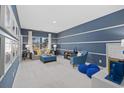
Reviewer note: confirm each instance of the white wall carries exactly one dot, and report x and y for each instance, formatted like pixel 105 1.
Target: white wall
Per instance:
pixel 115 50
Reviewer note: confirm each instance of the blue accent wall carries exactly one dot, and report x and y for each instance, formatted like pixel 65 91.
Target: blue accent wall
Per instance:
pixel 115 18
pixel 116 33
pixel 8 78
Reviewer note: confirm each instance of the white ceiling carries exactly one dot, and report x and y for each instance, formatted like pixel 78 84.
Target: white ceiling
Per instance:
pixel 57 18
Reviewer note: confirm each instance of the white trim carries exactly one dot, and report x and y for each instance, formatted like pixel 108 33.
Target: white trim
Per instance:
pixel 88 52
pixel 107 65
pixel 97 53
pixel 6 35
pixel 111 41
pixel 91 31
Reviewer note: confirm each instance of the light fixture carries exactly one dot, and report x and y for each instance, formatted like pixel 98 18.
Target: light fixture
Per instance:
pixel 54 22
pixel 54 46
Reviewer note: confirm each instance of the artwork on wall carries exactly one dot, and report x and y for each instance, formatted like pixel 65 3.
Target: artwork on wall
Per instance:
pixel 13 26
pixel 8 51
pixel 16 48
pixel 0 46
pixel 1 70
pixel 0 10
pixel 7 18
pixel 11 51
pixel 9 42
pixel 10 23
pixel 17 31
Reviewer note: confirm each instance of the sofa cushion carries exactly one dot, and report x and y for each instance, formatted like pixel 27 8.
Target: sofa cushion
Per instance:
pixel 78 54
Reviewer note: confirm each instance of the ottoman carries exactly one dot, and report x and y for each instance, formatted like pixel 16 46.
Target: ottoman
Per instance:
pixel 47 58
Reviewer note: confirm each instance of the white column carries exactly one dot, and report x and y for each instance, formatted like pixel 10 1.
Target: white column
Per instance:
pixel 30 40
pixel 49 41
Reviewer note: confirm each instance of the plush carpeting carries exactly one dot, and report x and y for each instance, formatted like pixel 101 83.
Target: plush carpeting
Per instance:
pixel 60 74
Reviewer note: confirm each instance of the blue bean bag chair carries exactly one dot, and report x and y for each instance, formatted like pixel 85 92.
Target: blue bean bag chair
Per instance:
pixel 89 70
pixel 82 68
pixel 92 70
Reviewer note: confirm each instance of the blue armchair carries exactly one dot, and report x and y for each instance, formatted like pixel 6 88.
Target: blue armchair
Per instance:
pixel 76 60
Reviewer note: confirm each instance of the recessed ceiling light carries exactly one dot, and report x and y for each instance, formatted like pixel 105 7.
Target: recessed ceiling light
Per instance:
pixel 54 22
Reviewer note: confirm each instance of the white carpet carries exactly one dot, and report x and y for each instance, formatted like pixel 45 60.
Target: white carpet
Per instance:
pixel 60 74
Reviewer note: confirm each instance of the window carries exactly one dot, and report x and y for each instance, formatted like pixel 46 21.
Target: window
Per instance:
pixel 25 40
pixel 36 39
pixel 36 42
pixel 44 42
pixel 40 42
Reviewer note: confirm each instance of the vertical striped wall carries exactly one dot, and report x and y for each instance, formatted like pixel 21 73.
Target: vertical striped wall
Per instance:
pixel 93 36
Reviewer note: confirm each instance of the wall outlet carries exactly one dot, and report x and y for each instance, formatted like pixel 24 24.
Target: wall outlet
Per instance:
pixel 100 61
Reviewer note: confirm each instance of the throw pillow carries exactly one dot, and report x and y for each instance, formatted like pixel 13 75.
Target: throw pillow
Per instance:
pixel 79 54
